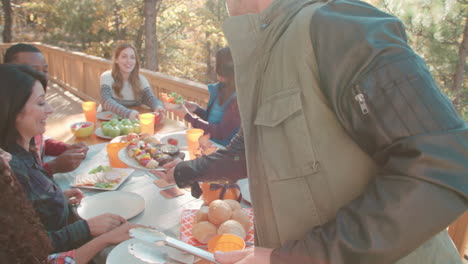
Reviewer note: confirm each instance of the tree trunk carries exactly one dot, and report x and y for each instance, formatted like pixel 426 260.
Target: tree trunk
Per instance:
pixel 209 66
pixel 151 40
pixel 460 70
pixel 8 21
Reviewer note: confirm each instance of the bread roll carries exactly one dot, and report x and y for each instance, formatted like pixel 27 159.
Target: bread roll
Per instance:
pixel 233 204
pixel 203 231
pixel 218 212
pixel 241 216
pixel 232 227
pixel 202 214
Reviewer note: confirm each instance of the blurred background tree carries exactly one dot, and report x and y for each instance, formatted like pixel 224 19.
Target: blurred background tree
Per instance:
pixel 438 31
pixel 183 36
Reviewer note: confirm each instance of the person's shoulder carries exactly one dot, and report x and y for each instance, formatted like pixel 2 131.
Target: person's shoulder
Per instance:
pixel 346 14
pixel 213 87
pixel 144 81
pixel 17 165
pixel 107 73
pixel 106 77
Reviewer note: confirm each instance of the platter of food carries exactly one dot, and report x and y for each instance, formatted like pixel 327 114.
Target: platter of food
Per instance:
pixel 115 128
pixel 145 152
pixel 125 204
pixel 102 178
pixel 107 115
pixel 100 134
pixel 176 138
pixel 199 226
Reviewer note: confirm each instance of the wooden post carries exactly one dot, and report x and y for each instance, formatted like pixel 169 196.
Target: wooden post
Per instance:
pixel 458 231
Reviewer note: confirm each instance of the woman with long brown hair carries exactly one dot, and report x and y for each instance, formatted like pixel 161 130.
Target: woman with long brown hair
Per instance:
pixel 23 115
pixel 23 238
pixel 124 86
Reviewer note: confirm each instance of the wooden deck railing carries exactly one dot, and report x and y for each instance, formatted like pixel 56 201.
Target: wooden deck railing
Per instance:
pixel 80 74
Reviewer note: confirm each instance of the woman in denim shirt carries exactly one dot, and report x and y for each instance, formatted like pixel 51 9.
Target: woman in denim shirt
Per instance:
pixel 23 115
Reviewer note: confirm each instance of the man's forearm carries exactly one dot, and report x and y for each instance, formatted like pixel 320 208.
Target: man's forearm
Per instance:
pixel 224 165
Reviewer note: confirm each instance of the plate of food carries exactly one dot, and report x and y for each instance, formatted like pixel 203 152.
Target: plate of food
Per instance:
pixel 145 152
pixel 107 115
pixel 100 134
pixel 197 229
pixel 115 128
pixel 178 139
pixel 120 254
pixel 102 178
pixel 125 204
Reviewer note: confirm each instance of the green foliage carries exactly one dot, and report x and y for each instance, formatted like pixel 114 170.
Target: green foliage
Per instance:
pixel 189 32
pixel 94 26
pixel 435 31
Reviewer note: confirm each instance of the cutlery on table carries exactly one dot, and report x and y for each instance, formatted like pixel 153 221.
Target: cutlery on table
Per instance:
pixel 154 236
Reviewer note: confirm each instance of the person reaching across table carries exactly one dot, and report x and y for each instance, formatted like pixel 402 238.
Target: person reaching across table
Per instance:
pixel 23 114
pixel 24 239
pixel 221 117
pixel 123 86
pixel 69 156
pixel 353 153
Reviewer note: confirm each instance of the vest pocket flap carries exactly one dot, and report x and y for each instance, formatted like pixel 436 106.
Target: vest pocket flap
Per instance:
pixel 278 107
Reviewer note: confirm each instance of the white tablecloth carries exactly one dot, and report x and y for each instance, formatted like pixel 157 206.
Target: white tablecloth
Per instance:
pixel 160 212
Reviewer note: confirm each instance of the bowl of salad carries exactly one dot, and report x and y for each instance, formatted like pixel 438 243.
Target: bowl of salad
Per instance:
pixel 172 101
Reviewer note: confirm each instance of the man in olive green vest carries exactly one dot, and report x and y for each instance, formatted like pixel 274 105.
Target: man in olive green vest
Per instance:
pixel 353 154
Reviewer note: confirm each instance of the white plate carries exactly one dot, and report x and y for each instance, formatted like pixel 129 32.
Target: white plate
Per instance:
pixel 133 163
pixel 180 136
pixel 106 115
pixel 123 174
pixel 99 133
pixel 121 255
pixel 244 188
pixel 125 204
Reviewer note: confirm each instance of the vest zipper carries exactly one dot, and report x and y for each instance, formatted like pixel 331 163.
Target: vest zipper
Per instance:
pixel 361 99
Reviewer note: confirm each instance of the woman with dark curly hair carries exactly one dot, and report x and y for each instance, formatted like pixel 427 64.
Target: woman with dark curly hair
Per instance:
pixel 23 114
pixel 23 238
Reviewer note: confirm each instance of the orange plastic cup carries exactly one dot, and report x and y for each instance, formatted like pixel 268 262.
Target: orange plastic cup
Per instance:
pixel 193 145
pixel 89 111
pixel 113 153
pixel 147 123
pixel 225 243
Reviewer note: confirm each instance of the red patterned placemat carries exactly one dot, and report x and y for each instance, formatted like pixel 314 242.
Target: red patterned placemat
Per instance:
pixel 187 222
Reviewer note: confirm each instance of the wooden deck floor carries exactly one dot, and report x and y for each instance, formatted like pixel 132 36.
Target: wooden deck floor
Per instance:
pixel 67 110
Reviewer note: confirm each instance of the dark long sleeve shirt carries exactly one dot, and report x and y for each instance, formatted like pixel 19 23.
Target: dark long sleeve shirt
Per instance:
pixel 49 201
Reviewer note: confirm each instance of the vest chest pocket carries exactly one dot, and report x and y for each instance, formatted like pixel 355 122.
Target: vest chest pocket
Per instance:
pixel 284 138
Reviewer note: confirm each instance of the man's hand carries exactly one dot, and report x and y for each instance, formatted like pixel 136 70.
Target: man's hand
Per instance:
pixel 104 223
pixel 119 234
pixel 161 111
pixel 168 175
pixel 180 112
pixel 67 161
pixel 248 256
pixel 133 115
pixel 191 106
pixel 74 196
pixel 5 158
pixel 80 147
